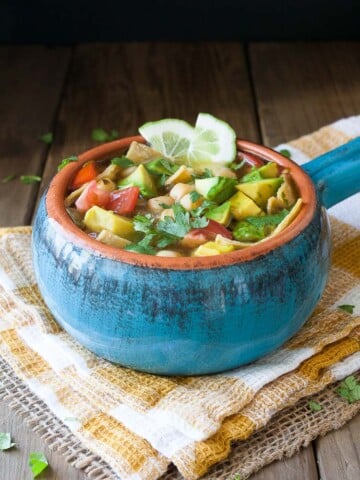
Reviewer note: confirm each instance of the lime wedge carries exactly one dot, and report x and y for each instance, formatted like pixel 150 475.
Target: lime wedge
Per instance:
pixel 213 142
pixel 169 136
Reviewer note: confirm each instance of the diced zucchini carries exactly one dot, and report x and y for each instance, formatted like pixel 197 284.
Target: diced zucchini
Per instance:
pixel 140 178
pixel 97 219
pixel 221 214
pixel 217 189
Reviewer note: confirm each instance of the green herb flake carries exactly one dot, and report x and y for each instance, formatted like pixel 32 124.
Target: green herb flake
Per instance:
pixel 5 441
pixel 30 179
pixel 47 138
pixel 101 135
pixel 349 389
pixel 122 162
pixel 347 308
pixel 37 463
pixel 194 196
pixel 9 178
pixel 285 152
pixel 203 208
pixel 66 161
pixel 314 406
pixel 237 477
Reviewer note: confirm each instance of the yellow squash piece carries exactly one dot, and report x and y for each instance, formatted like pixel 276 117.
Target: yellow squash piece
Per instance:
pixel 242 206
pixel 140 153
pixel 212 248
pixel 109 238
pixel 261 190
pixel 97 219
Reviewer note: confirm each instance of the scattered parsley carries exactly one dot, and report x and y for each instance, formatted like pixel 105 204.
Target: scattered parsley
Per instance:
pixel 9 178
pixel 347 308
pixel 30 179
pixel 285 152
pixel 237 477
pixel 5 441
pixel 66 161
pixel 349 389
pixel 314 406
pixel 181 224
pixel 37 463
pixel 101 135
pixel 47 138
pixel 122 162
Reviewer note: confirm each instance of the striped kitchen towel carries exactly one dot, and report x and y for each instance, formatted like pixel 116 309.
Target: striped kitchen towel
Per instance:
pixel 139 423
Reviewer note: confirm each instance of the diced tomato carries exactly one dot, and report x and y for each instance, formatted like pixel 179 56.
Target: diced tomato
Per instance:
pixel 93 195
pixel 86 173
pixel 124 201
pixel 198 236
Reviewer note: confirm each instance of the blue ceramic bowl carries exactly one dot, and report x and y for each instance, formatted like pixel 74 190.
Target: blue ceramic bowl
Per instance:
pixel 188 316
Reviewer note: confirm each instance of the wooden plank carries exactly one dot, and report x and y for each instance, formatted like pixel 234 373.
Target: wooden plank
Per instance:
pixel 124 85
pixel 339 453
pixel 14 462
pixel 303 86
pixel 299 467
pixel 31 82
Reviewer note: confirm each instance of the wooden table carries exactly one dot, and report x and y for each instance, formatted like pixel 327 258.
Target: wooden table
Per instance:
pixel 269 93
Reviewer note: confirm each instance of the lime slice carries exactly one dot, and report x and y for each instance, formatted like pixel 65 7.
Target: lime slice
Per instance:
pixel 169 136
pixel 213 142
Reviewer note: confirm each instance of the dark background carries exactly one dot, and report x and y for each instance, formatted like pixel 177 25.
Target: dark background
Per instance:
pixel 57 22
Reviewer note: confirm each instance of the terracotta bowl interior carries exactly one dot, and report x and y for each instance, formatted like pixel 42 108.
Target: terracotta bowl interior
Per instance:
pixel 56 210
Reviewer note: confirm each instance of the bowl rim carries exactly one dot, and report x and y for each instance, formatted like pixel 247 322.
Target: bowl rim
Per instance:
pixel 56 210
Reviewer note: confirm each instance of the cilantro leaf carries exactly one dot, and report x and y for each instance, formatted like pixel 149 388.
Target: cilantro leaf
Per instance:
pixel 122 162
pixel 30 179
pixel 347 308
pixel 349 389
pixel 101 135
pixel 37 463
pixel 9 178
pixel 66 161
pixel 5 441
pixel 285 152
pixel 199 222
pixel 143 223
pixel 47 138
pixel 194 195
pixel 203 208
pixel 143 246
pixel 314 406
pixel 178 226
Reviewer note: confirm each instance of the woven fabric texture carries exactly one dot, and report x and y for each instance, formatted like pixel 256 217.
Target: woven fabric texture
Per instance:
pixel 139 423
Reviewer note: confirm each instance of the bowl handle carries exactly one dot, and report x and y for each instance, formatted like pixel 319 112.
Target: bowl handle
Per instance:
pixel 336 174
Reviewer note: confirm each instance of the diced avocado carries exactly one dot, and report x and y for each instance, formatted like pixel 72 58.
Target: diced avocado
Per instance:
pixel 262 190
pixel 211 248
pixel 245 232
pixel 241 206
pixel 97 219
pixel 161 166
pixel 269 170
pixel 217 189
pixel 140 178
pixel 221 214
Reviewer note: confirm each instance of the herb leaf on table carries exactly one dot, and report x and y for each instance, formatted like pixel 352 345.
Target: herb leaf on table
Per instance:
pixel 349 389
pixel 37 463
pixel 5 441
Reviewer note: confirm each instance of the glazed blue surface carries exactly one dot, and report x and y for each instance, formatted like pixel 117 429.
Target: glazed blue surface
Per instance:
pixel 180 322
pixel 186 322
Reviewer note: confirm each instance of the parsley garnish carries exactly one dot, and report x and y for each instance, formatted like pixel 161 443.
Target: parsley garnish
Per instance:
pixel 66 161
pixel 314 406
pixel 153 237
pixel 37 463
pixel 347 308
pixel 5 441
pixel 349 389
pixel 181 224
pixel 101 135
pixel 285 152
pixel 30 179
pixel 47 138
pixel 122 162
pixel 9 178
